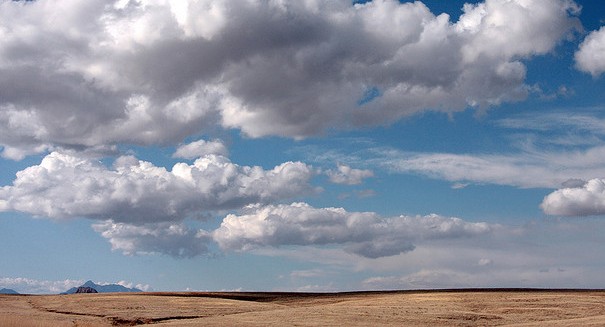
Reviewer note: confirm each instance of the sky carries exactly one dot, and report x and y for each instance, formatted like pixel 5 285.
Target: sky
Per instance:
pixel 309 145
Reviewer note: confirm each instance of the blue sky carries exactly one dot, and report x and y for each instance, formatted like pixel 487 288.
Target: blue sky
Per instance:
pixel 302 145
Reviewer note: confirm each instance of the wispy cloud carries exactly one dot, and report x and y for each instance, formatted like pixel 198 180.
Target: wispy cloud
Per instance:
pixel 548 150
pixel 522 169
pixel 572 122
pixel 561 146
pixel 309 273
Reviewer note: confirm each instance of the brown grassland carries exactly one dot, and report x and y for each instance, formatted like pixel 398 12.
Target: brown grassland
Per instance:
pixel 400 308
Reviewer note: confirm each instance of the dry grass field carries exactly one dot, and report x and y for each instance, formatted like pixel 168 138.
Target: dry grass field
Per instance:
pixel 405 308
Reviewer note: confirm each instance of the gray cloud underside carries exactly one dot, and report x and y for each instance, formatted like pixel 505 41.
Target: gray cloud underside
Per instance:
pixel 173 239
pixel 137 192
pixel 83 74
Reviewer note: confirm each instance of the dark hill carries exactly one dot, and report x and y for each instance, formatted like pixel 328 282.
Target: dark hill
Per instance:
pixel 84 289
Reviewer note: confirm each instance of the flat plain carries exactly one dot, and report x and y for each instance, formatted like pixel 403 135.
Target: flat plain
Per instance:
pixel 485 307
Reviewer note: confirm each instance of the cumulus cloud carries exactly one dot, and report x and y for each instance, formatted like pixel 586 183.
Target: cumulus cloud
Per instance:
pixel 134 191
pixel 176 240
pixel 362 233
pixel 348 175
pixel 590 56
pixel 583 200
pixel 156 72
pixel 199 149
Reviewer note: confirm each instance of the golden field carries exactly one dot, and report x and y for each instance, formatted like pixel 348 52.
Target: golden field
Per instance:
pixel 399 308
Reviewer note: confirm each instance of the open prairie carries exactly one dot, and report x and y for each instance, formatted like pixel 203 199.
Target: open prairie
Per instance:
pixel 403 308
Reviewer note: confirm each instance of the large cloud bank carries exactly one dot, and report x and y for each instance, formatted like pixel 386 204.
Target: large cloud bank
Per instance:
pixel 134 191
pixel 365 234
pixel 79 74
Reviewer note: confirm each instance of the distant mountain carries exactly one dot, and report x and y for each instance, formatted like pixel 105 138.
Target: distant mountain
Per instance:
pixel 8 291
pixel 111 288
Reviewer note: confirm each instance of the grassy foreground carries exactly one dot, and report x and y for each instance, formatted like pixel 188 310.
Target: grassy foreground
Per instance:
pixel 404 308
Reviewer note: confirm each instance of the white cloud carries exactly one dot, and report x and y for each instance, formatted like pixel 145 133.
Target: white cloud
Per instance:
pixel 575 120
pixel 510 29
pixel 134 191
pixel 363 233
pixel 590 56
pixel 556 149
pixel 349 176
pixel 176 240
pixel 34 286
pixel 583 200
pixel 315 288
pixel 160 71
pixel 309 273
pixel 20 152
pixel 199 149
pixel 522 169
